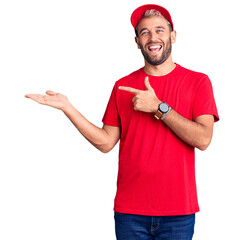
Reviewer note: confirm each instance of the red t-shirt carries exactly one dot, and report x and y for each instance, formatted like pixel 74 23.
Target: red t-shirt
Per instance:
pixel 156 174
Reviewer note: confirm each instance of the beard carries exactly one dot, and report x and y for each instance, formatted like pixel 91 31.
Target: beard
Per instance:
pixel 167 48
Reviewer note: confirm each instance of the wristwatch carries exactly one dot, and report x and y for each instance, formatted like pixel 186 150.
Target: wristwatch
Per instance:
pixel 163 110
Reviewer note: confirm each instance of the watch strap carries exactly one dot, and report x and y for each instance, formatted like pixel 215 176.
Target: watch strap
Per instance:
pixel 160 115
pixel 164 115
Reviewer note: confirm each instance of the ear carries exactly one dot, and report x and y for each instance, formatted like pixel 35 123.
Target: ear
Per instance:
pixel 173 36
pixel 137 42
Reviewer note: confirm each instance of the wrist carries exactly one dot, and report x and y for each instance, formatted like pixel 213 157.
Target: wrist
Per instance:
pixel 158 102
pixel 67 107
pixel 166 114
pixel 162 111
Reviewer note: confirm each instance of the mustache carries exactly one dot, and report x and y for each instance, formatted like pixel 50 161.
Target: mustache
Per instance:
pixel 151 42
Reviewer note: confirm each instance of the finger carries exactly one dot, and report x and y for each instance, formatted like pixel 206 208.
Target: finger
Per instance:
pixel 29 95
pixel 32 96
pixel 37 97
pixel 51 93
pixel 129 89
pixel 147 84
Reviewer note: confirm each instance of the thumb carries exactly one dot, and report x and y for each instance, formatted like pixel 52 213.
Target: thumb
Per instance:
pixel 51 93
pixel 147 84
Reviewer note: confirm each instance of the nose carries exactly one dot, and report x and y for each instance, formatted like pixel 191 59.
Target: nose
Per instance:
pixel 153 36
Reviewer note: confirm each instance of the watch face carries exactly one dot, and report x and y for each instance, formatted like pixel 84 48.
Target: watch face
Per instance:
pixel 163 107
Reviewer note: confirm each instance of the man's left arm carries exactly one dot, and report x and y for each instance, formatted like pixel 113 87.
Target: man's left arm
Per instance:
pixel 198 133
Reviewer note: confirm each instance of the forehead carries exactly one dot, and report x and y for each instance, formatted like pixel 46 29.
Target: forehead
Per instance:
pixel 152 22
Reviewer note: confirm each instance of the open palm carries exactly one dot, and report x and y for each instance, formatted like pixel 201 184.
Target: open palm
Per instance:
pixel 52 99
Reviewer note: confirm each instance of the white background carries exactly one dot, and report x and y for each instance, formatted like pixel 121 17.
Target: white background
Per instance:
pixel 53 183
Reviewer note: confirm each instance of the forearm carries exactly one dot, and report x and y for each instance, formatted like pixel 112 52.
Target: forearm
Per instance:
pixel 102 138
pixel 197 133
pixel 193 133
pixel 98 137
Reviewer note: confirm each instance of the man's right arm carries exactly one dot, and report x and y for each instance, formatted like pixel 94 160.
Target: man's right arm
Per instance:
pixel 104 138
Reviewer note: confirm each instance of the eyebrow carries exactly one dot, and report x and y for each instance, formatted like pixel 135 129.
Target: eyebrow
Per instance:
pixel 160 27
pixel 143 29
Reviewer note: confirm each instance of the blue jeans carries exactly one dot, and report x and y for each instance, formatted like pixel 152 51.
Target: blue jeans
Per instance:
pixel 140 227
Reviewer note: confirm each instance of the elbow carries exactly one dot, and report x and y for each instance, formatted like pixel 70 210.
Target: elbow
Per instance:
pixel 105 148
pixel 203 145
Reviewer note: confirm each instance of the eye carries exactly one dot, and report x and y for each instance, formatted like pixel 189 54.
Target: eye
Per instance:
pixel 160 31
pixel 144 33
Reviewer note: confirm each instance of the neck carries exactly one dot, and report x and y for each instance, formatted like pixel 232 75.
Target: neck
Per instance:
pixel 161 69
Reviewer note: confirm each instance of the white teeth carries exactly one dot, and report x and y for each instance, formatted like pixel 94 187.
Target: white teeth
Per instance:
pixel 154 48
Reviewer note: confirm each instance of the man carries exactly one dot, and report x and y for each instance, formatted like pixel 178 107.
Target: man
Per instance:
pixel 160 113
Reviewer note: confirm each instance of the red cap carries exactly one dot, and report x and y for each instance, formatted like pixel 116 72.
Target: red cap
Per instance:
pixel 139 12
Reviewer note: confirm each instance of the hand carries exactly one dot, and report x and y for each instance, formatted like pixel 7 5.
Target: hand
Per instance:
pixel 145 101
pixel 52 99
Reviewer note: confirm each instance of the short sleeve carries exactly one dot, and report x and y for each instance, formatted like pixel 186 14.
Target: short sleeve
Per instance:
pixel 204 102
pixel 111 116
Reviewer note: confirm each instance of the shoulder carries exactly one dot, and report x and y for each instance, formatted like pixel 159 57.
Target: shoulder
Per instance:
pixel 129 78
pixel 195 77
pixel 192 73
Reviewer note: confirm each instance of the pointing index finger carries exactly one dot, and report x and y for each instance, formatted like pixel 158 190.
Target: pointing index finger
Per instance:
pixel 129 89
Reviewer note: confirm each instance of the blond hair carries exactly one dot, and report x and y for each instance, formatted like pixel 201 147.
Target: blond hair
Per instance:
pixel 153 13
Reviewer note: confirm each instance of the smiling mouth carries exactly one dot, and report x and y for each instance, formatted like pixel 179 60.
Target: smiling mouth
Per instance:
pixel 154 48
